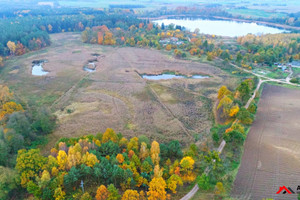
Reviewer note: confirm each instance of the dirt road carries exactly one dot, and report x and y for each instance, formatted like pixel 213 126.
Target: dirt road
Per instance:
pixel 271 158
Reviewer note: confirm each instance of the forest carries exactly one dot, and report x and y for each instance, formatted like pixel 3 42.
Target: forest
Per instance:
pixel 19 35
pixel 108 165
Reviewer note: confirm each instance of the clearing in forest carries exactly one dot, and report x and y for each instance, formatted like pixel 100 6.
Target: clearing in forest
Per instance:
pixel 115 95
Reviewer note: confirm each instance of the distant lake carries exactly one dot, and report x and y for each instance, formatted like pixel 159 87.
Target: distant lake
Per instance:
pixel 221 27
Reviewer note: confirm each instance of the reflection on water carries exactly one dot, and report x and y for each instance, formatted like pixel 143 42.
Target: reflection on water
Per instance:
pixel 171 76
pixel 221 27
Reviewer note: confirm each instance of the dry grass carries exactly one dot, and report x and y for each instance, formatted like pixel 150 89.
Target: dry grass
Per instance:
pixel 115 96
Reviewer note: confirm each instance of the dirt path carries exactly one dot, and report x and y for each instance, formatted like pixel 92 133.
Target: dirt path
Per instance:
pixel 170 113
pixel 196 187
pixel 289 77
pixel 254 93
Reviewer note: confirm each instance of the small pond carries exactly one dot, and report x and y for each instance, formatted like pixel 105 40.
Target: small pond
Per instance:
pixel 171 76
pixel 91 67
pixel 37 68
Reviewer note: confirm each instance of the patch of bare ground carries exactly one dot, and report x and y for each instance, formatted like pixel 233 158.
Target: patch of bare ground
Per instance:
pixel 115 95
pixel 272 150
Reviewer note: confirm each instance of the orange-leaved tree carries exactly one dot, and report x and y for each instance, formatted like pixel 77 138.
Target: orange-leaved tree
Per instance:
pixel 102 193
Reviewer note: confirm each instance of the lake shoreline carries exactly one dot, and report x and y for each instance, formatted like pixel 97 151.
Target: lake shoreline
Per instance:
pixel 268 24
pixel 225 28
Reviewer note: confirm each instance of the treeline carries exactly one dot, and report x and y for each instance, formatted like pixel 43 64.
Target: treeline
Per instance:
pixel 195 11
pixel 31 33
pixel 171 37
pixel 270 48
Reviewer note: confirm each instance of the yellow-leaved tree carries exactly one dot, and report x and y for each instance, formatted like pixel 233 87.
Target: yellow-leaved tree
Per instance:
pixel 144 151
pixel 12 47
pixel 9 108
pixel 173 181
pixel 157 189
pixel 131 195
pixel 155 151
pixel 234 110
pixel 62 160
pixel 5 94
pixel 186 169
pixel 89 159
pixel 109 134
pixel 223 91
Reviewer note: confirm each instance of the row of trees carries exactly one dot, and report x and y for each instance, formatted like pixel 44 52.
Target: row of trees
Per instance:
pixel 230 108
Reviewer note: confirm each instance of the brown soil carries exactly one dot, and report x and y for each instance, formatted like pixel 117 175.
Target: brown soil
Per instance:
pixel 272 150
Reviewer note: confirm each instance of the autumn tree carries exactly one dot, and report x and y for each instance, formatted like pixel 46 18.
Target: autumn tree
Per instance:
pixel 12 47
pixel 225 106
pixel 120 158
pixel 173 182
pixel 102 193
pixel 157 189
pixel 131 195
pixel 234 111
pixel 89 159
pixel 219 189
pixel 144 151
pixel 155 151
pixel 59 194
pixel 20 49
pixel 62 159
pixel 158 172
pixel 108 39
pixel 29 164
pixel 168 47
pixel 223 91
pixel 74 156
pixel 109 134
pixel 100 38
pixel 133 144
pixel 186 169
pixel 5 94
pixel 9 108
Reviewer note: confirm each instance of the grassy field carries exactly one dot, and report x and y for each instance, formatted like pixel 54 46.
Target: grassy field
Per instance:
pixel 115 96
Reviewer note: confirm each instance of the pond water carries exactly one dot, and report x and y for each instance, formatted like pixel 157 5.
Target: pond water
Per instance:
pixel 171 76
pixel 221 27
pixel 91 67
pixel 37 68
pixel 88 69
